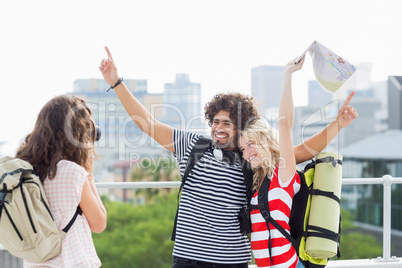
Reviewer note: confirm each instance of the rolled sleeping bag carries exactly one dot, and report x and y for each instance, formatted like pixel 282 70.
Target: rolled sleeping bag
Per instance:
pixel 322 242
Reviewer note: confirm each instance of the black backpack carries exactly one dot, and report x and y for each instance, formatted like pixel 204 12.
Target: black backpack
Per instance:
pixel 299 217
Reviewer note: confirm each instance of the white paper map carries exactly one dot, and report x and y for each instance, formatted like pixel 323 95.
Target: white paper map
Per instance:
pixel 330 70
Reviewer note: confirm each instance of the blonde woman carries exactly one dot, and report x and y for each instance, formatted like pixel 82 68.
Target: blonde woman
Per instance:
pixel 274 159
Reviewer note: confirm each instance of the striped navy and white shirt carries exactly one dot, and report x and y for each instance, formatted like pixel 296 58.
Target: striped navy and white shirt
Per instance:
pixel 207 225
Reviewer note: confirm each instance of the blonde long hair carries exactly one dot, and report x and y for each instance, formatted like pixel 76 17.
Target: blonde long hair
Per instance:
pixel 266 143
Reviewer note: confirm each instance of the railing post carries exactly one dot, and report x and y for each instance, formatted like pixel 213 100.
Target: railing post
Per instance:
pixel 386 247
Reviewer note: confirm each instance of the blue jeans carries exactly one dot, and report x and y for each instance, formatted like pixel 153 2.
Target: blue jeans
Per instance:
pixel 299 264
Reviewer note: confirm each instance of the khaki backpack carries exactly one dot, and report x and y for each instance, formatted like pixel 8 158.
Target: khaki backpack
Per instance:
pixel 27 228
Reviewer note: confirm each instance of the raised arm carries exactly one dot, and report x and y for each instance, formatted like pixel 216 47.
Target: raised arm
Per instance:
pixel 315 144
pixel 160 132
pixel 287 162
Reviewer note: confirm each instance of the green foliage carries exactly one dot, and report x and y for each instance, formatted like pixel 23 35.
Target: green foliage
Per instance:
pixel 161 169
pixel 347 220
pixel 355 244
pixel 138 236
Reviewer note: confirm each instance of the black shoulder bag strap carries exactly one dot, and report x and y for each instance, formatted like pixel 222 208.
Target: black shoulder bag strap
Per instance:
pixel 263 206
pixel 200 147
pixel 78 211
pixel 244 213
pixel 248 175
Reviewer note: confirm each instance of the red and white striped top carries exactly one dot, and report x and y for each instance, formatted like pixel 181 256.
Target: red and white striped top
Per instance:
pixel 280 199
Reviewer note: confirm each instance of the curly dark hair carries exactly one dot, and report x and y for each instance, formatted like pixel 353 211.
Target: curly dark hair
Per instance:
pixel 63 130
pixel 241 108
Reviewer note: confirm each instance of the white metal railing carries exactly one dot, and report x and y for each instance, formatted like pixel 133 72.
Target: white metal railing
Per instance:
pixel 387 181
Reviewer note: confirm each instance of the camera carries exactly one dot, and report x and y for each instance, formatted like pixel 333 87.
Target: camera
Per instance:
pixel 98 133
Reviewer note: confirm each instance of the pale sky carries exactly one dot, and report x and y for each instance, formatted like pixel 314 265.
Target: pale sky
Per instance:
pixel 46 45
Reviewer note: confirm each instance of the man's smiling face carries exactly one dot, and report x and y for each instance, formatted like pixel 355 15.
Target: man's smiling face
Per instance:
pixel 223 131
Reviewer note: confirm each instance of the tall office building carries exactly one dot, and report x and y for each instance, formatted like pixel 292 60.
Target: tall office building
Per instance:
pixel 182 104
pixel 309 120
pixel 121 139
pixel 369 122
pixel 99 85
pixel 266 86
pixel 380 92
pixel 395 102
pixel 369 101
pixel 360 80
pixel 317 96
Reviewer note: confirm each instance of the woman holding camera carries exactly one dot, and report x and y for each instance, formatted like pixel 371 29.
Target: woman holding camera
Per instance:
pixel 61 150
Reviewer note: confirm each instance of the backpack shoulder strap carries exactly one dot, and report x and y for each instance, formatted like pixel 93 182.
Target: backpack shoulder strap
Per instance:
pixel 248 175
pixel 198 150
pixel 68 226
pixel 264 209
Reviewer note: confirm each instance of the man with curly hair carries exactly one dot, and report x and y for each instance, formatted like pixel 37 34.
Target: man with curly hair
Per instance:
pixel 207 230
pixel 238 107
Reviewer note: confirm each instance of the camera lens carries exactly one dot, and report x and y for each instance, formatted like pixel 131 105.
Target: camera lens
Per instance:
pixel 98 133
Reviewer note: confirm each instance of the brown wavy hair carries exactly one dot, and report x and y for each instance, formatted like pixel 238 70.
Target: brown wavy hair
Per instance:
pixel 241 108
pixel 63 130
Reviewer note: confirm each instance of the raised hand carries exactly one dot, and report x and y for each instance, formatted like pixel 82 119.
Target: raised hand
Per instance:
pixel 346 113
pixel 292 67
pixel 108 69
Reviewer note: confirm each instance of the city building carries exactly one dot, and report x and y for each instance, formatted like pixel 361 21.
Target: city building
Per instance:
pixel 373 157
pixel 369 122
pixel 317 96
pixel 370 102
pixel 310 120
pixel 121 140
pixel 123 145
pixel 395 102
pixel 359 81
pixel 380 92
pixel 266 86
pixel 99 85
pixel 182 104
